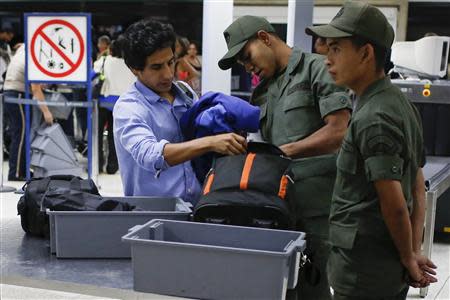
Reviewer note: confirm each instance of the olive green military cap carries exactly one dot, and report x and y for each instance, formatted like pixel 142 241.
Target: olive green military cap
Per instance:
pixel 237 35
pixel 360 19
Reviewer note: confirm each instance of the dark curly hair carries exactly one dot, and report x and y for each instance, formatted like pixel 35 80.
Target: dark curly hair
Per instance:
pixel 143 38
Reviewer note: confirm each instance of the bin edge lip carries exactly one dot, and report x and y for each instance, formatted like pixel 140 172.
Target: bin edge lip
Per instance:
pixel 292 245
pixel 180 203
pixel 120 213
pixel 284 254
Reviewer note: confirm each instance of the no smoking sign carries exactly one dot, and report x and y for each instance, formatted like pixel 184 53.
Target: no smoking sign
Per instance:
pixel 57 48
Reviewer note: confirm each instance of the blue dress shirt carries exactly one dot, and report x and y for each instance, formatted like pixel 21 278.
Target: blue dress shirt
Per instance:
pixel 143 124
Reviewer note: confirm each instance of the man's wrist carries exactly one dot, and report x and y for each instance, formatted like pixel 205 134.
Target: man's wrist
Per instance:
pixel 288 149
pixel 406 258
pixel 207 144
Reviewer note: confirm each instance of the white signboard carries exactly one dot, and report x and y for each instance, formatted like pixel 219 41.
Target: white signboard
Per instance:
pixel 57 48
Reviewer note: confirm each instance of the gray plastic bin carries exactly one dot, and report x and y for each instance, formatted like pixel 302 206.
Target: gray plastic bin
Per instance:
pixel 97 234
pixel 58 112
pixel 46 145
pixel 210 261
pixel 49 162
pixel 58 137
pixel 43 172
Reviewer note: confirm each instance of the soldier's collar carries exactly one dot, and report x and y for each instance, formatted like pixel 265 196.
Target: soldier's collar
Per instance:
pixel 294 60
pixel 373 89
pixel 259 90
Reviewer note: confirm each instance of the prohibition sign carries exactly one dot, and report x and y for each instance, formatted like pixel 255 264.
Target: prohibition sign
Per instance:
pixel 40 32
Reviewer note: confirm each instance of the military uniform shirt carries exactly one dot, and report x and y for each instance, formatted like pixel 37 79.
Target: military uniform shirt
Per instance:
pixel 293 106
pixel 384 141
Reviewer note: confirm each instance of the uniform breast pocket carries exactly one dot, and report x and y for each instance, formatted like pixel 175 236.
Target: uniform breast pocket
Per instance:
pixel 301 118
pixel 347 158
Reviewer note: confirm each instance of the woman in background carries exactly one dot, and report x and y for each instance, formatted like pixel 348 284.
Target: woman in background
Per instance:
pixel 118 79
pixel 184 71
pixel 193 59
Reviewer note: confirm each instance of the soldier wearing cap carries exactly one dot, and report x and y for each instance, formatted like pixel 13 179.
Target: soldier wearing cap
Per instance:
pixel 377 211
pixel 306 115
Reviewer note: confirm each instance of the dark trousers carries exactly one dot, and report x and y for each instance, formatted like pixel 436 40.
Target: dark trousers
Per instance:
pixel 400 296
pixel 318 249
pixel 79 94
pixel 105 117
pixel 15 118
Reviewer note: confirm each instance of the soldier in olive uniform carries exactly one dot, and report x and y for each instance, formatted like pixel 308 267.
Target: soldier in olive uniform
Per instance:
pixel 306 115
pixel 377 211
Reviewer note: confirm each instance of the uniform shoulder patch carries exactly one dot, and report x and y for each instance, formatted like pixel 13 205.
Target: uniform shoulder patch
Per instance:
pixel 382 144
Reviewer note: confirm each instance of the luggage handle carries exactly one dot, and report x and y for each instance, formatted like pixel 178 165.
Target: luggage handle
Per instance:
pixel 312 272
pixel 135 228
pixel 299 260
pixel 298 244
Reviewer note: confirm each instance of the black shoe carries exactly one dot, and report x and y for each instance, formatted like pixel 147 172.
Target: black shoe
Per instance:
pixel 14 178
pixel 112 168
pixel 82 148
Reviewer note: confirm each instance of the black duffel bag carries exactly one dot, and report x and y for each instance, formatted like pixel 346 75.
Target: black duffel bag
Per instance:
pixel 59 192
pixel 248 190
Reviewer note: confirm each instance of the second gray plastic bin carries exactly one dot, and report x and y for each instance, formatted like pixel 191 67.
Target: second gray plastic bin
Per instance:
pixel 97 234
pixel 209 261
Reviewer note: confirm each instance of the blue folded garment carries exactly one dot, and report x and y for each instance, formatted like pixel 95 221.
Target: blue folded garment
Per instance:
pixel 216 113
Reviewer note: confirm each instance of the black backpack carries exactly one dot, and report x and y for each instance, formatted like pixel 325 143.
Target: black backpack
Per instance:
pixel 42 193
pixel 248 190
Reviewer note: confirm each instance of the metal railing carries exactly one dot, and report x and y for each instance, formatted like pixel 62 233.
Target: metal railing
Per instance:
pixel 86 104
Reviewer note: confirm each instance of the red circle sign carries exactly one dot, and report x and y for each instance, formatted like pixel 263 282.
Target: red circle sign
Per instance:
pixel 40 32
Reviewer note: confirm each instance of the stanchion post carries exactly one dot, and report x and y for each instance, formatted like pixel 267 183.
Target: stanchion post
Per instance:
pixel 3 189
pixel 95 139
pixel 89 98
pixel 27 132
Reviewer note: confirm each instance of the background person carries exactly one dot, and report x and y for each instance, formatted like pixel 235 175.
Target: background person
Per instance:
pixel 320 46
pixel 6 36
pixel 103 43
pixel 117 80
pixel 14 87
pixel 184 71
pixel 193 59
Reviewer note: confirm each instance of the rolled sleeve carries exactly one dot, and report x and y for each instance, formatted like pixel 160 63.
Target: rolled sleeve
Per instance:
pixel 381 146
pixel 384 167
pixel 160 163
pixel 146 151
pixel 334 102
pixel 330 97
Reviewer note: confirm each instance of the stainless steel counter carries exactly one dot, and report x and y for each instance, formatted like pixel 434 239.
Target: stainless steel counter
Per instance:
pixel 437 181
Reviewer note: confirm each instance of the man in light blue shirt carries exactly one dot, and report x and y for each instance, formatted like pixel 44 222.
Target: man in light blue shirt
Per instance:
pixel 153 158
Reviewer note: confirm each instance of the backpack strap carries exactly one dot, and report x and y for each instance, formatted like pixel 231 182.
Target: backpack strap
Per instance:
pixel 243 184
pixel 191 96
pixel 42 185
pixel 209 178
pixel 102 70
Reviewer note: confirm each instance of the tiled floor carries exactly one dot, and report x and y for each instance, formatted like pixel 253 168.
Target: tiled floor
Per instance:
pixel 8 291
pixel 110 185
